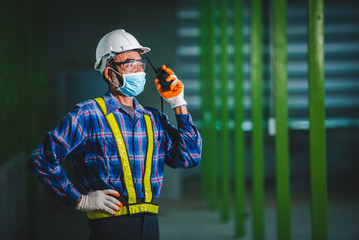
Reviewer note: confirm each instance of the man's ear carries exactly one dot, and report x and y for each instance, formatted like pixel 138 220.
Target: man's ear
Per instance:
pixel 107 74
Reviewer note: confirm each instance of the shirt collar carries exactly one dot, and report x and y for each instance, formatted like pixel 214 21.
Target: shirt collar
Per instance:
pixel 112 104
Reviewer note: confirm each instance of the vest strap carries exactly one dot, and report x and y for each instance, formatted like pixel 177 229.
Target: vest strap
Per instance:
pixel 121 147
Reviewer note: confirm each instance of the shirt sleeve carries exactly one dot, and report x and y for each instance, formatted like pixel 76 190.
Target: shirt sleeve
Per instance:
pixel 183 145
pixel 66 140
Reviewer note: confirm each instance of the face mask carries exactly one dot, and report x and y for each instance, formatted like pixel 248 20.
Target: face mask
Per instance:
pixel 133 83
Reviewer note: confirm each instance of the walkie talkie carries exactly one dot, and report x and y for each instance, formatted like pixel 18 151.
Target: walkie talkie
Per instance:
pixel 162 75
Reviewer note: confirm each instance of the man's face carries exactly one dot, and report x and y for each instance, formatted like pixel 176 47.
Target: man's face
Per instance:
pixel 130 67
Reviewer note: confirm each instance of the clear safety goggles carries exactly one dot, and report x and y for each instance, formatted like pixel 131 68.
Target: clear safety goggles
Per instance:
pixel 132 65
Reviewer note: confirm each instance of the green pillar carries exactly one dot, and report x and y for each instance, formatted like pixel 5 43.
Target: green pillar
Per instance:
pixel 225 160
pixel 239 150
pixel 11 75
pixel 257 118
pixel 211 96
pixel 281 117
pixel 209 159
pixel 317 120
pixel 6 8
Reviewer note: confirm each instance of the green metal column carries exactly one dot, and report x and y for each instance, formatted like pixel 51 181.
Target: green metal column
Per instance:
pixel 211 96
pixel 281 116
pixel 225 160
pixel 11 74
pixel 317 120
pixel 257 118
pixel 239 150
pixel 6 80
pixel 209 180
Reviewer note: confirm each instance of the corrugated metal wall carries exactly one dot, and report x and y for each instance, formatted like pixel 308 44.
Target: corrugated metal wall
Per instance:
pixel 341 61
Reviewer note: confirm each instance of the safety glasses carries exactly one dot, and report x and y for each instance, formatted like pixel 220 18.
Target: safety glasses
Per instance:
pixel 132 65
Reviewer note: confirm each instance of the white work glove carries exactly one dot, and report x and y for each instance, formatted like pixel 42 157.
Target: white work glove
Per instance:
pixel 100 200
pixel 174 95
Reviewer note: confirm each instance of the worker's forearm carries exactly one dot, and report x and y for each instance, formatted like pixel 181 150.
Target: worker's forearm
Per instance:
pixel 181 110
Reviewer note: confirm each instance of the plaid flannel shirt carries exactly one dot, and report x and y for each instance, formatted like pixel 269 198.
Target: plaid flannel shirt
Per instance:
pixel 84 137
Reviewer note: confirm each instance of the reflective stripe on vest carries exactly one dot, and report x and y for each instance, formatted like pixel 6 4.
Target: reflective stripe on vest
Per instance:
pixel 133 207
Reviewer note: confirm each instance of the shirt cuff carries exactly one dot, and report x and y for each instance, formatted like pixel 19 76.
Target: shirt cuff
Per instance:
pixel 73 196
pixel 184 121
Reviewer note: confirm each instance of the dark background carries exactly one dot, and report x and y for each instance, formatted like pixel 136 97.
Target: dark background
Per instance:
pixel 47 53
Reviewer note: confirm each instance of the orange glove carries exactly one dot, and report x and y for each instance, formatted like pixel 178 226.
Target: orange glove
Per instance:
pixel 100 200
pixel 174 95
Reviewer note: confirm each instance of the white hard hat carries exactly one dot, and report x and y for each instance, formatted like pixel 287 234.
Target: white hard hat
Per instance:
pixel 114 43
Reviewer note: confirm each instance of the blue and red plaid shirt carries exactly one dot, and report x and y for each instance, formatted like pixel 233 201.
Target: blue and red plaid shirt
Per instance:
pixel 85 137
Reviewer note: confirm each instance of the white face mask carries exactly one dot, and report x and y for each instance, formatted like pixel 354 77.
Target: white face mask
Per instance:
pixel 133 83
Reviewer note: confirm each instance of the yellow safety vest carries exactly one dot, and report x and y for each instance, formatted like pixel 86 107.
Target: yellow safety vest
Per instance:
pixel 133 207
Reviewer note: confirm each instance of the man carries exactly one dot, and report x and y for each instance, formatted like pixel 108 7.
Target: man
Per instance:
pixel 118 147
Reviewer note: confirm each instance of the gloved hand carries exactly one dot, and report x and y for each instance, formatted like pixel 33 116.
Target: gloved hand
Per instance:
pixel 174 95
pixel 100 200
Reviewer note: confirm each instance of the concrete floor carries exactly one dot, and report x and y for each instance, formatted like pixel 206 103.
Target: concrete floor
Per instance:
pixel 190 219
pixel 197 222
